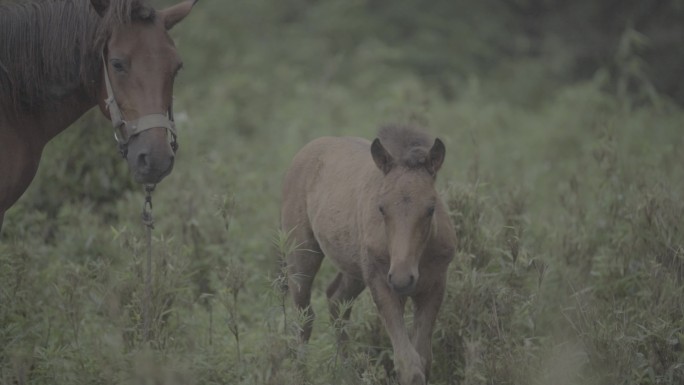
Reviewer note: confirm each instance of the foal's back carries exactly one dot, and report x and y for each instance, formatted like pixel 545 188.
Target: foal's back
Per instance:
pixel 325 188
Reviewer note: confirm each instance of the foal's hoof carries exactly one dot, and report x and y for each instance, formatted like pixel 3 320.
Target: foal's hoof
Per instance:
pixel 416 379
pixel 410 370
pixel 412 378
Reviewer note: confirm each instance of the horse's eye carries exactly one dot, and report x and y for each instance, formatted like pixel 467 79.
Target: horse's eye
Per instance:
pixel 382 210
pixel 118 65
pixel 430 211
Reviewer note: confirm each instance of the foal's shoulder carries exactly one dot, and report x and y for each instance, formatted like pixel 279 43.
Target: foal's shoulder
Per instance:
pixel 444 243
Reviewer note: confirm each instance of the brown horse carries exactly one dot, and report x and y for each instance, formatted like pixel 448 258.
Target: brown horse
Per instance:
pixel 60 58
pixel 374 211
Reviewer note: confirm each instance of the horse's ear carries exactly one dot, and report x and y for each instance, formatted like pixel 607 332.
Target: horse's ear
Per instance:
pixel 436 156
pixel 381 157
pixel 100 6
pixel 176 13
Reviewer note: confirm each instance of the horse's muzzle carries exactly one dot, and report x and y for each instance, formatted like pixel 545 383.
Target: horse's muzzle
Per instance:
pixel 147 171
pixel 150 156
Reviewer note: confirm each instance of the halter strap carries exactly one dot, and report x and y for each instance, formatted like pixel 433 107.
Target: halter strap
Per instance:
pixel 123 130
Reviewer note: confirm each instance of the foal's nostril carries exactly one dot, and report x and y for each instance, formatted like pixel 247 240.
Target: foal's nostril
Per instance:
pixel 405 286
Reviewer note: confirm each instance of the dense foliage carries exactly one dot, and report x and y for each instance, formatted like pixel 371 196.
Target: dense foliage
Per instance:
pixel 563 178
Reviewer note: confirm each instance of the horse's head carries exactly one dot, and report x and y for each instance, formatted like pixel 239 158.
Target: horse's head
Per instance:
pixel 140 64
pixel 407 203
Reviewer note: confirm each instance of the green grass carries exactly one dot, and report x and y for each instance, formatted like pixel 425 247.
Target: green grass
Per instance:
pixel 566 199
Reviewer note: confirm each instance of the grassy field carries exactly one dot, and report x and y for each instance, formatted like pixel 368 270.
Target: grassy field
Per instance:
pixel 565 195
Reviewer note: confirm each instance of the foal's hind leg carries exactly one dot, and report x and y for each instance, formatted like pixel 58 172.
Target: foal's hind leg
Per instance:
pixel 344 288
pixel 303 264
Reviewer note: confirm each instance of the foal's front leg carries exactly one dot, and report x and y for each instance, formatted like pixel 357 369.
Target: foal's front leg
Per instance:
pixel 427 306
pixel 407 361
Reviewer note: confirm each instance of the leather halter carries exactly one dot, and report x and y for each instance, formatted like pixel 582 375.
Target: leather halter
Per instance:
pixel 124 130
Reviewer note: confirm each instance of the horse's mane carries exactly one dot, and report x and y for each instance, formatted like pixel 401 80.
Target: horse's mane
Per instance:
pixel 409 146
pixel 50 48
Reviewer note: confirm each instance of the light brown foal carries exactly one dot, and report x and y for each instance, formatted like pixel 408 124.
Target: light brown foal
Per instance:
pixel 374 211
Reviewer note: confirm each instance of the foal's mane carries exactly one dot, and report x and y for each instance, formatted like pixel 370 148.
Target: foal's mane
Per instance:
pixel 51 48
pixel 409 146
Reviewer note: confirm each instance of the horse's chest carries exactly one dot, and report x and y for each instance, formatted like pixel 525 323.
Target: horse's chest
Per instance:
pixel 18 165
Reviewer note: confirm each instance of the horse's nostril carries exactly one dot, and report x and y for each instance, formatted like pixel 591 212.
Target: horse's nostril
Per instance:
pixel 411 279
pixel 142 161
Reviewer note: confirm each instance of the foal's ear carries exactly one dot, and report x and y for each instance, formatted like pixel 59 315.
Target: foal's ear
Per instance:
pixel 381 157
pixel 436 156
pixel 176 13
pixel 100 6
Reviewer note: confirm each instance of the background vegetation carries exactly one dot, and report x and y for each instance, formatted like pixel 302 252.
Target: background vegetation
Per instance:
pixel 564 178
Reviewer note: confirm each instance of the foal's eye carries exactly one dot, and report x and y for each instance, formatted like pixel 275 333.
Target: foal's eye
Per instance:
pixel 430 211
pixel 118 65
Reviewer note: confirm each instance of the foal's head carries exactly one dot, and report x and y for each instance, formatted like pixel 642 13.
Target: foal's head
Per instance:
pixel 141 63
pixel 407 203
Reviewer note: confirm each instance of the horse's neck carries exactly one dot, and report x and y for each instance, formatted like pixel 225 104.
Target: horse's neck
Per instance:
pixel 23 137
pixel 56 115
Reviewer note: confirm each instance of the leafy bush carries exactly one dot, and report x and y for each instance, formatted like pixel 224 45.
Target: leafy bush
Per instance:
pixel 565 196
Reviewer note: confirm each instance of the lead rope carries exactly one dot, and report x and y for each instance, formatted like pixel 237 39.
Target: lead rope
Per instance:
pixel 148 222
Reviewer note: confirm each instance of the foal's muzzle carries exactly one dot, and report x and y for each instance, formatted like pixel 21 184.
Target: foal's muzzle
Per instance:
pixel 403 283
